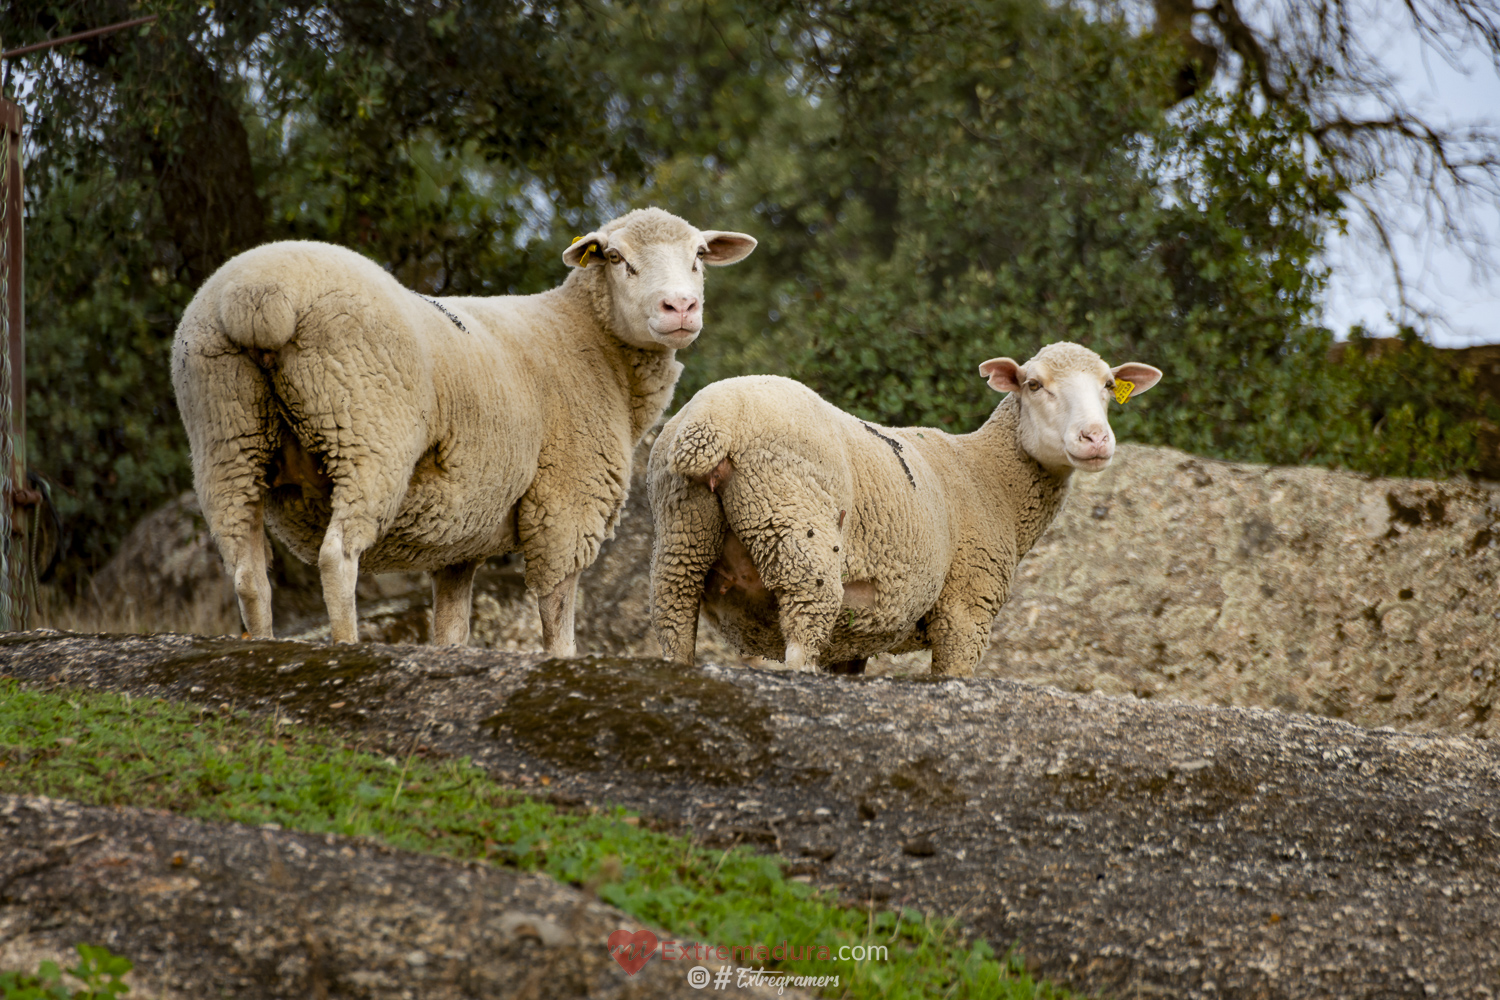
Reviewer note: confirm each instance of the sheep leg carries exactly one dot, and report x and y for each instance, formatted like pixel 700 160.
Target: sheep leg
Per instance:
pixel 252 584
pixel 958 637
pixel 807 622
pixel 557 618
pixel 338 563
pixel 797 660
pixel 789 525
pixel 689 541
pixel 452 603
pixel 229 414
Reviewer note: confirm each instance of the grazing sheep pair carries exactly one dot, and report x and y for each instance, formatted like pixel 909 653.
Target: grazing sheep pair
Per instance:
pixel 372 427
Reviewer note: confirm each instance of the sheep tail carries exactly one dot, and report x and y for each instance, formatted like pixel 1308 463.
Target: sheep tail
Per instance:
pixel 701 453
pixel 258 314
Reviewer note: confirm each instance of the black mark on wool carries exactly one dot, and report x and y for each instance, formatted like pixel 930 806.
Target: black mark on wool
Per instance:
pixel 444 310
pixel 895 447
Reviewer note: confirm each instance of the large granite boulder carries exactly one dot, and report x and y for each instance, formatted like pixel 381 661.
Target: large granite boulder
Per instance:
pixel 1132 848
pixel 1168 576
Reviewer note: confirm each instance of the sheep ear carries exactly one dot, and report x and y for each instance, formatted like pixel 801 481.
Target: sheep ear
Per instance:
pixel 1143 376
pixel 1004 374
pixel 585 250
pixel 727 248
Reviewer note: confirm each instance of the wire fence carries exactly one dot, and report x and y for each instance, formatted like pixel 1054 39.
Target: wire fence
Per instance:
pixel 24 500
pixel 12 613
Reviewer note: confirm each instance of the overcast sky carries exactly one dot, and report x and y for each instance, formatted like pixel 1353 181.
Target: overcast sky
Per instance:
pixel 1440 278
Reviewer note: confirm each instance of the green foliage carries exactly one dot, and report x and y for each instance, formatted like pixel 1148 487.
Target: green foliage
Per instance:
pixel 100 418
pixel 1417 413
pixel 98 970
pixel 107 749
pixel 933 183
pixel 985 178
pixel 437 138
pixel 1041 194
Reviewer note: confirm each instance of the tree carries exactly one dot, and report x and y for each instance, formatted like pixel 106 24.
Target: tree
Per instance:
pixel 1008 173
pixel 433 136
pixel 934 182
pixel 1320 60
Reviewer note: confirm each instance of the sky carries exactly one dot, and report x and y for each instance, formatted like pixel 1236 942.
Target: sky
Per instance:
pixel 1441 279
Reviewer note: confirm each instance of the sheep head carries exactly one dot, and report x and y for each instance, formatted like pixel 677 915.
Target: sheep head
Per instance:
pixel 653 268
pixel 1064 393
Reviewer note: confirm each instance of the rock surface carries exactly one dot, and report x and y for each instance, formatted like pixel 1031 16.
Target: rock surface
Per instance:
pixel 1132 848
pixel 209 910
pixel 1372 600
pixel 167 575
pixel 1166 576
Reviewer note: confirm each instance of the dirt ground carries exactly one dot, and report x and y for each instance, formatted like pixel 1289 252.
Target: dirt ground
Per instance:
pixel 218 910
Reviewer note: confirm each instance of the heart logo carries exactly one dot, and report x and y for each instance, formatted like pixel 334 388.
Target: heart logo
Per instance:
pixel 632 951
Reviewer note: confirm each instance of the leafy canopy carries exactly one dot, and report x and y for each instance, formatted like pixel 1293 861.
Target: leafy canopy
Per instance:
pixel 934 182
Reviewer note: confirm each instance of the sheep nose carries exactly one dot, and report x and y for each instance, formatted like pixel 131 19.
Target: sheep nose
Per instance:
pixel 1093 435
pixel 682 305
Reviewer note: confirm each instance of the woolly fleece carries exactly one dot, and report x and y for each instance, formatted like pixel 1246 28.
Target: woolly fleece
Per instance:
pixel 318 393
pixel 792 521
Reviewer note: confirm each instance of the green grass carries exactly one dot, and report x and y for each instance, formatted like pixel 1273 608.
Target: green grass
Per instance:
pixel 97 971
pixel 108 749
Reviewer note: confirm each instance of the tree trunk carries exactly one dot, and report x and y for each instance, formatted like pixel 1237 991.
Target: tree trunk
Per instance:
pixel 197 146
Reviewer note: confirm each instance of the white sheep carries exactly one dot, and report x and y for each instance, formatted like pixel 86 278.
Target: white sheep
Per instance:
pixel 372 427
pixel 808 535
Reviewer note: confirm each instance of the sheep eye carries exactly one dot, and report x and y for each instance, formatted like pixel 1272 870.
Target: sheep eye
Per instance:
pixel 1033 384
pixel 613 256
pixel 702 252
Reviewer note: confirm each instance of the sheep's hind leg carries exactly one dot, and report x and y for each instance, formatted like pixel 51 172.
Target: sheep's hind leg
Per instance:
pixel 557 618
pixel 958 637
pixel 794 540
pixel 453 603
pixel 229 414
pixel 689 541
pixel 807 625
pixel 247 553
pixel 338 564
pixel 807 619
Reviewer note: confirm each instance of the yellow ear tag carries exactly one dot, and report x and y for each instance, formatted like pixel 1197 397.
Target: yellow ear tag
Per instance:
pixel 591 248
pixel 1123 389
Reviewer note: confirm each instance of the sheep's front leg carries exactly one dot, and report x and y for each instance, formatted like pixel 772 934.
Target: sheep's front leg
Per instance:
pixel 453 602
pixel 557 618
pixel 958 635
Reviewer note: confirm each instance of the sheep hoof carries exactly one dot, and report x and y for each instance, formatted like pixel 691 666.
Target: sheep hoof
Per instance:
pixel 797 659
